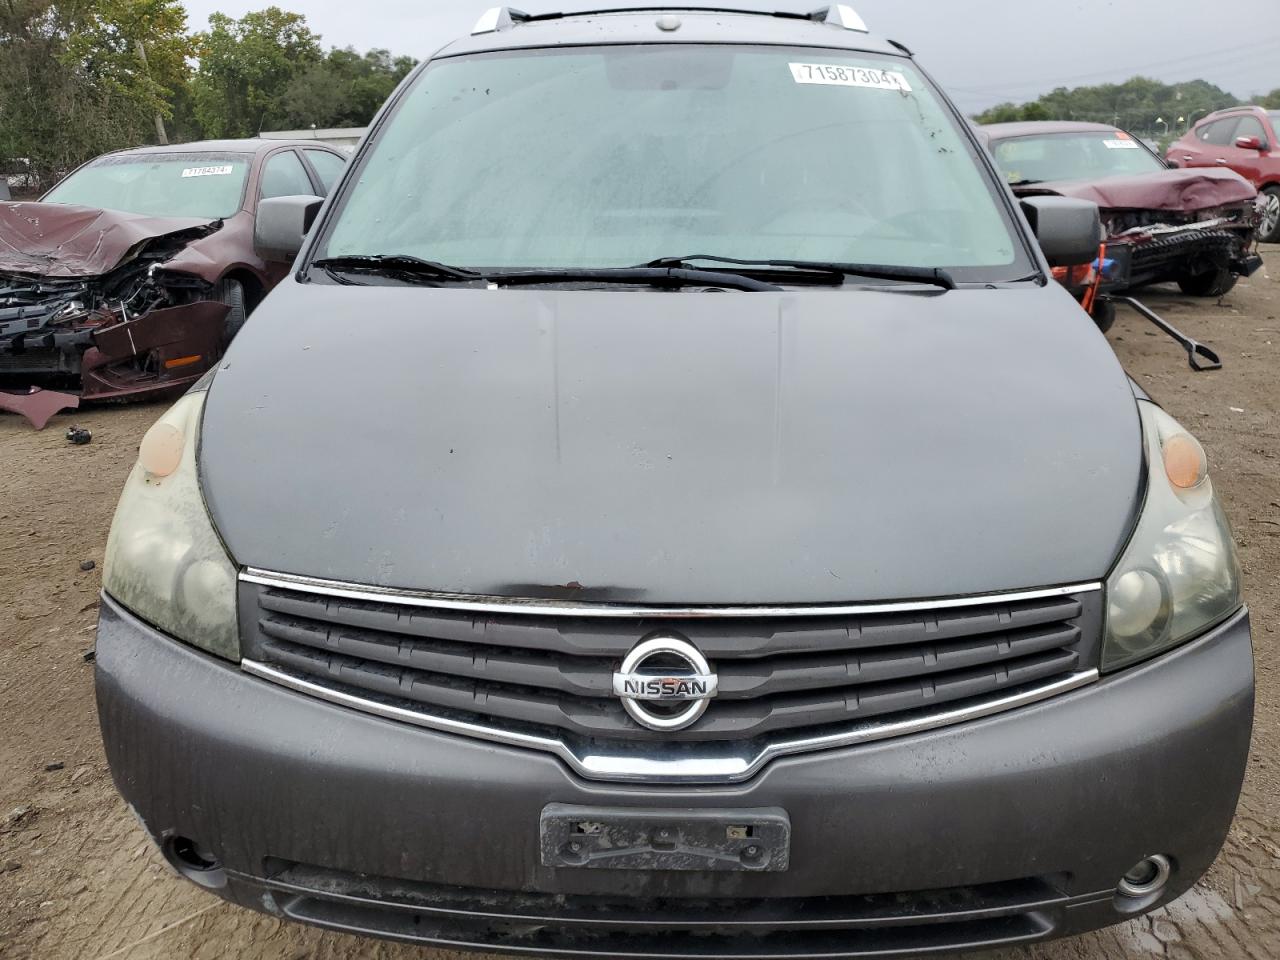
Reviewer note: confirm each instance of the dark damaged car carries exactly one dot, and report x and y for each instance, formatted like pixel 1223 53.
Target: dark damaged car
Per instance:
pixel 129 278
pixel 1193 227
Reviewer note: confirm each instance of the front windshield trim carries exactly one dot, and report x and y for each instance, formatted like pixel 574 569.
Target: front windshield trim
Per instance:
pixel 1026 263
pixel 172 155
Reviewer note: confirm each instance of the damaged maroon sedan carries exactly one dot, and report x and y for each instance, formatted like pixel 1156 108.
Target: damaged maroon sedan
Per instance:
pixel 128 279
pixel 1193 227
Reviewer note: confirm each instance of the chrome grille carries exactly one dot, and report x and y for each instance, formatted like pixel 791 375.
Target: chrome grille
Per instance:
pixel 788 674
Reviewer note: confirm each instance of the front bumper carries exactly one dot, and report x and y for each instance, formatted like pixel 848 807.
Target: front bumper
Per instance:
pixel 1160 258
pixel 1017 827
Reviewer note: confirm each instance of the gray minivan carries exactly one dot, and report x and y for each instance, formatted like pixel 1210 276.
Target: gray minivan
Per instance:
pixel 671 511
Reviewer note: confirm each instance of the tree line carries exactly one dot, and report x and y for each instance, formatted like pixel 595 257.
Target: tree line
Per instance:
pixel 1142 105
pixel 81 77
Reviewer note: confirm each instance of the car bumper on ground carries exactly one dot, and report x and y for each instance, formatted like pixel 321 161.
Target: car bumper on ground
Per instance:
pixel 1009 829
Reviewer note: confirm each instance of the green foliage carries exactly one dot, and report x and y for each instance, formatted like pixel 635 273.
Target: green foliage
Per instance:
pixel 82 77
pixel 342 90
pixel 1143 105
pixel 245 66
pixel 1272 100
pixel 267 71
pixel 105 47
pixel 72 83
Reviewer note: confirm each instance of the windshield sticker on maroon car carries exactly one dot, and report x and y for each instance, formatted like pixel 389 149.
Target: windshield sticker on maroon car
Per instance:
pixel 208 171
pixel 1120 144
pixel 837 76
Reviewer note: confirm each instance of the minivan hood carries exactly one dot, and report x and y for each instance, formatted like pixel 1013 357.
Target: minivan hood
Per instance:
pixel 692 447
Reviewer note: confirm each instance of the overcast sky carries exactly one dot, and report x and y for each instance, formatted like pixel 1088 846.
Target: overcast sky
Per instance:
pixel 981 51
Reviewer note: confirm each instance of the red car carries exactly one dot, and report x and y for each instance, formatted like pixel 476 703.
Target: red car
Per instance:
pixel 129 277
pixel 1243 139
pixel 1192 227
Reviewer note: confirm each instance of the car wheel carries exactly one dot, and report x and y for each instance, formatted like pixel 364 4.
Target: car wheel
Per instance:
pixel 231 292
pixel 1269 231
pixel 1216 282
pixel 1104 315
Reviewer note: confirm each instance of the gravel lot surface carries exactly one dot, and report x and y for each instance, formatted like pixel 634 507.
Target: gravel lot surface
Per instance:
pixel 79 880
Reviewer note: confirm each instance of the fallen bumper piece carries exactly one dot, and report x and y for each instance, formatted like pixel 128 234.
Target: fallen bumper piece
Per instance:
pixel 37 405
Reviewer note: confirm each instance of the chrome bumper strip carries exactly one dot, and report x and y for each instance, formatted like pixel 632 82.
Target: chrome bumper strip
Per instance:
pixel 560 608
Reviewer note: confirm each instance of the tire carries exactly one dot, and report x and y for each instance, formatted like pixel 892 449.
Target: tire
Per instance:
pixel 1216 282
pixel 1104 315
pixel 1269 231
pixel 231 292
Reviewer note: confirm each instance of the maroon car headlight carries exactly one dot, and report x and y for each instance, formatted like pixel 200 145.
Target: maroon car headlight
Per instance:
pixel 164 560
pixel 1179 574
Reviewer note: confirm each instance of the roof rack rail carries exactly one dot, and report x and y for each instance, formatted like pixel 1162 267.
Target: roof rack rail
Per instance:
pixel 842 15
pixel 504 18
pixel 499 18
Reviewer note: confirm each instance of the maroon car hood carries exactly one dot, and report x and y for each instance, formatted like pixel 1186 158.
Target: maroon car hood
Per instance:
pixel 60 240
pixel 1184 190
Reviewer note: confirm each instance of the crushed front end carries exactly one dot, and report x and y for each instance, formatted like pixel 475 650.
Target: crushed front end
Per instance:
pixel 1166 246
pixel 1204 252
pixel 135 330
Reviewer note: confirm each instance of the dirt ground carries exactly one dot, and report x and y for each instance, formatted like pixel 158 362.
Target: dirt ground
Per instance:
pixel 79 880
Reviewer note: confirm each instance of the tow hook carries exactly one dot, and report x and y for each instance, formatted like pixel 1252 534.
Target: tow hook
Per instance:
pixel 1200 357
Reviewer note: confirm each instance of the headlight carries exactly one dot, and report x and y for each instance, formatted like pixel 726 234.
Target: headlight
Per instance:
pixel 1179 574
pixel 164 561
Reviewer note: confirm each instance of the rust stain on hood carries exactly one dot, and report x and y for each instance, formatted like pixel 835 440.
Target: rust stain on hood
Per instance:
pixel 60 240
pixel 1180 190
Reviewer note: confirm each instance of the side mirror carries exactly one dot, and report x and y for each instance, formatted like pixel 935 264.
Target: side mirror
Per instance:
pixel 4 189
pixel 281 225
pixel 1069 231
pixel 1251 143
pixel 1171 163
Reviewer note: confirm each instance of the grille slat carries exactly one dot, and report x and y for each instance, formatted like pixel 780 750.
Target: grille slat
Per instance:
pixel 743 638
pixel 592 678
pixel 551 675
pixel 597 717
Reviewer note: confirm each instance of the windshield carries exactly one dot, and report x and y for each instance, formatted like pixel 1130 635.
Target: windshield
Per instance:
pixel 1073 156
pixel 205 185
pixel 615 156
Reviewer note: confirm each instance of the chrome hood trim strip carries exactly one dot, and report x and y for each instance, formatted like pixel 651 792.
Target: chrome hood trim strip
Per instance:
pixel 560 608
pixel 626 767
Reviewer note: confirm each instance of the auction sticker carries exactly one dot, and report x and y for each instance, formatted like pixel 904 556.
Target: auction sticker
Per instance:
pixel 1121 144
pixel 833 75
pixel 208 171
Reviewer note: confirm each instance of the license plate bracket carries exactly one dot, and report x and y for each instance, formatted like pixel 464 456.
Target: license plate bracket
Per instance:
pixel 620 838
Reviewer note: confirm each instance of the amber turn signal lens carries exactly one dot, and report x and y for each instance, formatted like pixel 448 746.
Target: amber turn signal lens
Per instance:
pixel 1184 461
pixel 161 449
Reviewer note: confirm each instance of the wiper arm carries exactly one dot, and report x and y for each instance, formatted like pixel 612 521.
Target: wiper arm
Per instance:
pixel 397 263
pixel 674 274
pixel 405 265
pixel 934 276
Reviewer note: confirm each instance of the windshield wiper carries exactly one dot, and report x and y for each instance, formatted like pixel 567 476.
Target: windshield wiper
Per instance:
pixel 934 276
pixel 658 274
pixel 397 264
pixel 405 266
